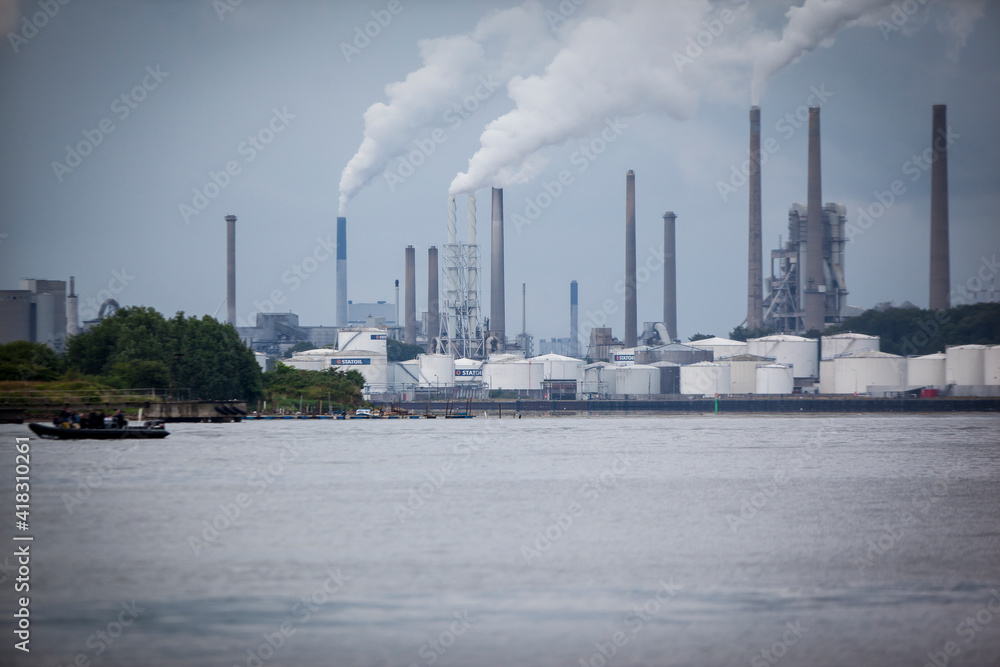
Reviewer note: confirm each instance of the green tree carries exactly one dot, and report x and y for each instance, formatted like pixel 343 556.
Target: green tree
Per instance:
pixel 744 334
pixel 24 360
pixel 327 385
pixel 399 351
pixel 700 336
pixel 301 346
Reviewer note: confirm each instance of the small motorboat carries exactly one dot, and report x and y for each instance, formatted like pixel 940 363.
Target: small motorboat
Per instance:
pixel 147 430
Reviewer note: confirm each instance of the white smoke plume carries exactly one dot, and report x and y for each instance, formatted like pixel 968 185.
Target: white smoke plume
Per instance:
pixel 617 61
pixel 502 44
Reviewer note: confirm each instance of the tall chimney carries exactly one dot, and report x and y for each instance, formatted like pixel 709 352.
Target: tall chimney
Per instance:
pixel 755 277
pixel 670 275
pixel 940 297
pixel 815 299
pixel 524 308
pixel 574 319
pixel 341 272
pixel 231 269
pixel 433 295
pixel 72 309
pixel 410 296
pixel 397 304
pixel 497 303
pixel 631 317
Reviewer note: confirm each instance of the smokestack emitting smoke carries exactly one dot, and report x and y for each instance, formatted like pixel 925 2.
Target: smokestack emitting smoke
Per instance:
pixel 341 272
pixel 72 309
pixel 574 319
pixel 755 277
pixel 940 289
pixel 631 317
pixel 497 303
pixel 433 312
pixel 670 275
pixel 410 296
pixel 815 299
pixel 231 269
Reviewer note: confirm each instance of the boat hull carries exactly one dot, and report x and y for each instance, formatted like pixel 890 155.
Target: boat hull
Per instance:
pixel 57 433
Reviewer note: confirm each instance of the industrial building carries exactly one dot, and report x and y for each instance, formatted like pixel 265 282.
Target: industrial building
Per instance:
pixel 38 312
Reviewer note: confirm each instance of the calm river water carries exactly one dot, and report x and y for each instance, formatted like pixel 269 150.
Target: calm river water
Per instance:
pixel 682 540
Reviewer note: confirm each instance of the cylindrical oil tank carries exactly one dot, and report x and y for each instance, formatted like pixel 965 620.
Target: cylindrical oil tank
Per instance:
pixel 847 343
pixel 599 378
pixel 558 367
pixel 374 368
pixel 670 377
pixel 676 353
pixel 827 376
pixel 802 354
pixel 468 371
pixel 855 373
pixel 437 370
pixel 45 318
pixel 743 373
pixel 774 379
pixel 991 369
pixel 721 347
pixel 705 378
pixel 369 340
pixel 508 374
pixel 926 371
pixel 637 379
pixel 965 364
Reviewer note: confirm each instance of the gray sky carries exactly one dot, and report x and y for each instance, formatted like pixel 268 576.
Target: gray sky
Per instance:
pixel 279 71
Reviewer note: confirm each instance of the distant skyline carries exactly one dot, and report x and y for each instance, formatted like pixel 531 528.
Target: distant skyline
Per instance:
pixel 136 127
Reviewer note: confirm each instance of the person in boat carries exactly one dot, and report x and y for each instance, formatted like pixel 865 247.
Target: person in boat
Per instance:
pixel 62 417
pixel 91 420
pixel 118 420
pixel 99 420
pixel 74 420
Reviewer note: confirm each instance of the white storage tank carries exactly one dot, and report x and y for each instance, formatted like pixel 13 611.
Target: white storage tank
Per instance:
pixel 827 376
pixel 637 379
pixel 802 354
pixel 847 343
pixel 407 375
pixel 705 378
pixel 774 379
pixel 991 369
pixel 512 374
pixel 721 347
pixel 313 363
pixel 965 365
pixel 855 373
pixel 559 367
pixel 437 370
pixel 743 372
pixel 370 340
pixel 926 371
pixel 599 379
pixel 468 371
pixel 374 368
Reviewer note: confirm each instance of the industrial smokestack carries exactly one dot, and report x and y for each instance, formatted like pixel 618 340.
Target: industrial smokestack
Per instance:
pixel 670 275
pixel 231 269
pixel 341 272
pixel 433 312
pixel 410 296
pixel 940 297
pixel 755 277
pixel 72 309
pixel 574 319
pixel 631 317
pixel 397 304
pixel 815 296
pixel 497 303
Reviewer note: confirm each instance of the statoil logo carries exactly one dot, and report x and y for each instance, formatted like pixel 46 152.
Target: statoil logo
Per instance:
pixel 351 362
pixel 379 337
pixel 624 357
pixel 468 372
